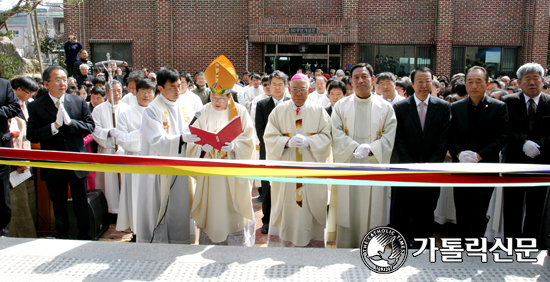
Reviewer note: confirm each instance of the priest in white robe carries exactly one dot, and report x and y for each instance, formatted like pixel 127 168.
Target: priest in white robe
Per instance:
pixel 298 130
pixel 105 136
pixel 267 93
pixel 133 78
pixel 320 95
pixel 128 136
pixel 222 206
pixel 163 201
pixel 363 131
pixel 254 91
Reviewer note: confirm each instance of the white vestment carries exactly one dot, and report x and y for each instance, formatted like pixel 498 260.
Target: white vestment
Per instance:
pixel 164 200
pixel 249 96
pixel 129 99
pixel 129 138
pixel 320 98
pixel 107 181
pixel 222 206
pixel 393 101
pixel 354 210
pixel 298 211
pixel 190 99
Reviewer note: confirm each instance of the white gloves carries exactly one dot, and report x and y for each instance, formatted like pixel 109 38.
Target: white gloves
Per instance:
pixel 468 157
pixel 66 117
pixel 298 141
pixel 60 115
pixel 113 132
pixel 207 148
pixel 229 147
pixel 531 149
pixel 362 151
pixel 188 137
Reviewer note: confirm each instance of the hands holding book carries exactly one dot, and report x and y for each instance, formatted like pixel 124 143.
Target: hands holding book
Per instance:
pixel 189 137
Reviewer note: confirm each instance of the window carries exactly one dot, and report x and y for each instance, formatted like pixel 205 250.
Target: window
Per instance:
pixel 289 57
pixel 398 59
pixel 118 51
pixel 494 59
pixel 15 33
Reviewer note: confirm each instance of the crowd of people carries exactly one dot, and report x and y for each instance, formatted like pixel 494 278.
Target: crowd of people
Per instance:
pixel 359 118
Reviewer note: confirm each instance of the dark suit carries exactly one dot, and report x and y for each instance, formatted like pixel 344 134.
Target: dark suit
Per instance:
pixel 329 110
pixel 412 208
pixel 263 110
pixel 534 197
pixel 42 113
pixel 9 107
pixel 482 129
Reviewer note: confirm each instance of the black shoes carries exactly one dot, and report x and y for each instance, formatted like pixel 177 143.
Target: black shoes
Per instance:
pixel 265 228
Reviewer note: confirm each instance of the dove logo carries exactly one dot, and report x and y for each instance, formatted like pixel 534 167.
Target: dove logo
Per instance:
pixel 383 250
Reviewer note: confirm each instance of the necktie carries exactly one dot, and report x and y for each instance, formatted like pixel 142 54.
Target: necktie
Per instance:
pixel 277 103
pixel 58 103
pixel 422 115
pixel 298 111
pixel 23 110
pixel 532 109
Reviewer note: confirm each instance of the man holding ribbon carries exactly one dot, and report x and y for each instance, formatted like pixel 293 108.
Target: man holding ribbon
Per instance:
pixel 298 130
pixel 163 201
pixel 363 132
pixel 222 206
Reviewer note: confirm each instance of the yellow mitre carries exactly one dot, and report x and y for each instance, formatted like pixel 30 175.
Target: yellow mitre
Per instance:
pixel 220 76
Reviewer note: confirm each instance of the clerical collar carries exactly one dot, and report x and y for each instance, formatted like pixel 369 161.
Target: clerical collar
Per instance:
pixel 166 101
pixel 389 100
pixel 362 100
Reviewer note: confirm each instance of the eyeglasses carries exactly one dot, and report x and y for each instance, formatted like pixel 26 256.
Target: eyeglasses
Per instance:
pixel 221 99
pixel 302 90
pixel 59 81
pixel 29 93
pixel 145 92
pixel 385 84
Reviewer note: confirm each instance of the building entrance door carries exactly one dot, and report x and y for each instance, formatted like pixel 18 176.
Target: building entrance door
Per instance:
pixel 289 57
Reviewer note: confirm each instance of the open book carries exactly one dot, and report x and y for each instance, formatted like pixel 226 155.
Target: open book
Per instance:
pixel 217 140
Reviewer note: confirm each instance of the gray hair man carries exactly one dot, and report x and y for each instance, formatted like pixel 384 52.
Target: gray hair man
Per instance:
pixel 527 143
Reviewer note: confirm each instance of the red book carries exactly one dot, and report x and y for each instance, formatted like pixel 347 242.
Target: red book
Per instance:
pixel 217 140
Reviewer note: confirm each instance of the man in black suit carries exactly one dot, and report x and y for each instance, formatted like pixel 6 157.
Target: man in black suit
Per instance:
pixel 277 83
pixel 422 137
pixel 528 142
pixel 9 107
pixel 58 122
pixel 479 128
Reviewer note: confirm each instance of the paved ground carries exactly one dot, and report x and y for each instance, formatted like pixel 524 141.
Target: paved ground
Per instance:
pixel 261 239
pixel 71 260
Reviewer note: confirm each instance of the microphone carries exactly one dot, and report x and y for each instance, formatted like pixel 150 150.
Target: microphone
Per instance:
pixel 197 115
pixel 98 64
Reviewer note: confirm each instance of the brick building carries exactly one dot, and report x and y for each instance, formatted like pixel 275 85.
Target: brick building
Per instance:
pixel 262 35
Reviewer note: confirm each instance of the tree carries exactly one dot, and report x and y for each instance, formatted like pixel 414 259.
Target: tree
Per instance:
pixel 22 6
pixel 29 7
